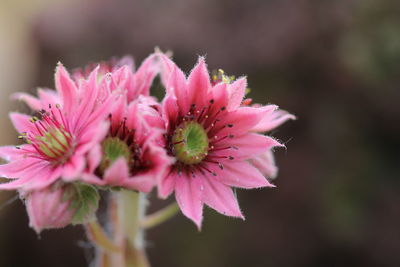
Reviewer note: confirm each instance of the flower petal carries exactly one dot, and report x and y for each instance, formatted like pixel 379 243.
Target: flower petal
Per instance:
pixel 67 89
pixel 31 101
pixel 265 163
pixel 189 195
pixel 166 184
pixel 22 123
pixel 245 146
pixel 237 91
pixel 242 175
pixel 144 75
pixel 142 183
pixel 11 152
pixel 272 120
pixel 241 120
pixel 89 92
pixel 221 198
pixel 199 84
pixel 117 173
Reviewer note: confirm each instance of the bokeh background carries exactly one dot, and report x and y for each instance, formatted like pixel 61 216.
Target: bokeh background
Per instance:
pixel 333 63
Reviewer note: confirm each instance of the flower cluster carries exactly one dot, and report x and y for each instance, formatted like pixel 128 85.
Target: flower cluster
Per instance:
pixel 101 129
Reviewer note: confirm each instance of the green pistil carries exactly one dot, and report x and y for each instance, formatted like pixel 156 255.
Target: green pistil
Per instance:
pixel 190 142
pixel 113 148
pixel 54 142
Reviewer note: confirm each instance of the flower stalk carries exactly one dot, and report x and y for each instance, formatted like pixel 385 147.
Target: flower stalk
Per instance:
pixel 160 216
pixel 126 249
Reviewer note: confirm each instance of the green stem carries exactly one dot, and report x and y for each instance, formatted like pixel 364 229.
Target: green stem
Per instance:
pixel 130 210
pixel 159 216
pixel 99 237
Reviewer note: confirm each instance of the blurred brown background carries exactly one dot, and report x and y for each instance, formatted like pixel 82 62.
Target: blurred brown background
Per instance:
pixel 335 64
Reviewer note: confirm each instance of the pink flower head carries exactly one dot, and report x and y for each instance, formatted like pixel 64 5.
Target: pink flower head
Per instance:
pixel 211 137
pixel 71 123
pixel 133 154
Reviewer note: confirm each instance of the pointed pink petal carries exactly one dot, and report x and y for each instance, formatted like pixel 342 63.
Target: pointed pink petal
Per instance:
pixel 36 177
pixel 91 137
pixel 94 158
pixel 221 198
pixel 166 185
pixel 189 195
pixel 170 110
pixel 24 166
pixel 118 112
pixel 31 101
pixel 67 89
pixel 89 92
pixel 272 120
pixel 48 97
pixel 145 74
pixel 237 91
pixel 11 152
pixel 174 81
pixel 220 95
pixel 242 120
pixel 246 146
pixel 143 183
pixel 166 68
pixel 241 174
pixel 265 163
pixel 15 184
pixel 199 84
pixel 42 179
pixel 177 85
pixel 73 168
pixel 91 178
pixel 117 173
pixel 22 123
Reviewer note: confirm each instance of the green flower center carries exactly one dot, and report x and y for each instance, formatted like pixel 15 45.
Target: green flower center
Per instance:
pixel 113 148
pixel 54 143
pixel 190 143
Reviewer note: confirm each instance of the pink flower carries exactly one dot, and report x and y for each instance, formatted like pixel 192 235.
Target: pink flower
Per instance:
pixel 133 154
pixel 47 208
pixel 211 137
pixel 71 124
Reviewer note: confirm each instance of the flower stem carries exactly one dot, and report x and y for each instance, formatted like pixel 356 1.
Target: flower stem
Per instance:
pixel 159 216
pixel 130 210
pixel 99 237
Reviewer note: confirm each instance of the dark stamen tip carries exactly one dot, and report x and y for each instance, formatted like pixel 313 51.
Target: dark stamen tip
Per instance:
pixel 223 108
pixel 230 125
pixel 212 101
pixel 231 158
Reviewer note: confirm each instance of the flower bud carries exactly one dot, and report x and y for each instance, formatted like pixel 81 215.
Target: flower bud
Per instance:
pixel 47 208
pixel 61 204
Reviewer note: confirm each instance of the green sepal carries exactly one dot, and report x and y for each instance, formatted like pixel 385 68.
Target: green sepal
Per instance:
pixel 84 200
